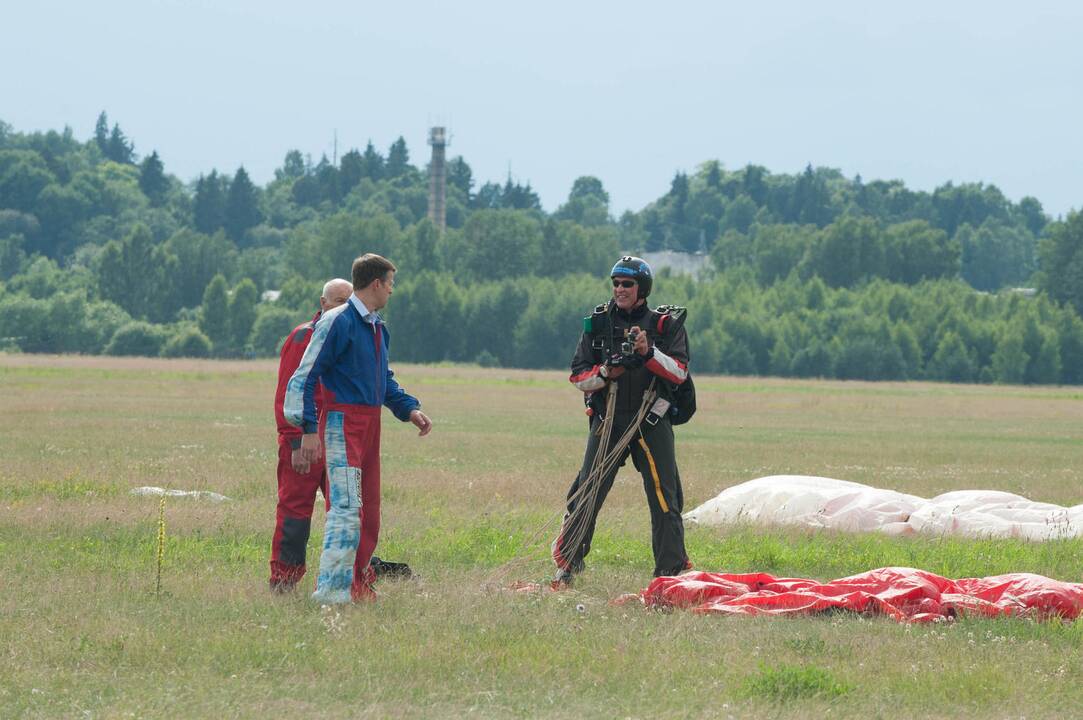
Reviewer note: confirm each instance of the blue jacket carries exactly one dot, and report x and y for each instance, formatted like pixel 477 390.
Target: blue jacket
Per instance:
pixel 348 353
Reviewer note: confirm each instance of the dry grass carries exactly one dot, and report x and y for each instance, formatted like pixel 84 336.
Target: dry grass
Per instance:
pixel 83 636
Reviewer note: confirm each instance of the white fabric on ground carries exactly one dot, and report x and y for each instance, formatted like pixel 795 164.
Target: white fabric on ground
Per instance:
pixel 842 505
pixel 212 496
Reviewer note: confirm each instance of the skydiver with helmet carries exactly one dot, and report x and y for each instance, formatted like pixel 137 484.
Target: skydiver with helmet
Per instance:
pixel 630 363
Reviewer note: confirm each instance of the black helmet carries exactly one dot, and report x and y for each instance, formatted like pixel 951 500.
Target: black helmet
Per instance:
pixel 637 269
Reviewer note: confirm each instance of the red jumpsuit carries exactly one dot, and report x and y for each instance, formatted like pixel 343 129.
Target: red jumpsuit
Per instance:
pixel 296 491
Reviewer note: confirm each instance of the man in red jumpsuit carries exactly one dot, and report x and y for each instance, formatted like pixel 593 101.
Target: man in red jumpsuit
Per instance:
pixel 298 479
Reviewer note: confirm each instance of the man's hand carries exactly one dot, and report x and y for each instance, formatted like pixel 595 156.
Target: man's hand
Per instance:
pixel 613 372
pixel 421 421
pixel 622 362
pixel 642 344
pixel 297 460
pixel 310 447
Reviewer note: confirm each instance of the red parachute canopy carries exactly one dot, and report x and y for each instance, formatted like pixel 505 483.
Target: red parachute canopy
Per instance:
pixel 905 594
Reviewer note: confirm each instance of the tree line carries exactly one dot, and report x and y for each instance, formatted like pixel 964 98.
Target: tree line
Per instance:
pixel 103 251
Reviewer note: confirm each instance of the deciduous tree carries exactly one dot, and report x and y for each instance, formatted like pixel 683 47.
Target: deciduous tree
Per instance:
pixel 242 313
pixel 214 314
pixel 1062 261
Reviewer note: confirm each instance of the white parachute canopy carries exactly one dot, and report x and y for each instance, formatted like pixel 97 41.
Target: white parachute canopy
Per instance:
pixel 841 505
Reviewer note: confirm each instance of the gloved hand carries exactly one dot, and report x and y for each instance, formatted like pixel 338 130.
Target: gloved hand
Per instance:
pixel 628 362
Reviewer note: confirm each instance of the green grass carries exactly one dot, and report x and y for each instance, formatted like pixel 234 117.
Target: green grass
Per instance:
pixel 794 682
pixel 83 634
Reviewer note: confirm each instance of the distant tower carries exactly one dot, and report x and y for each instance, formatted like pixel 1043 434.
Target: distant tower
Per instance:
pixel 438 179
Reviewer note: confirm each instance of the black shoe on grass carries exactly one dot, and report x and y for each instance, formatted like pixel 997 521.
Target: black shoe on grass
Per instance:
pixel 384 569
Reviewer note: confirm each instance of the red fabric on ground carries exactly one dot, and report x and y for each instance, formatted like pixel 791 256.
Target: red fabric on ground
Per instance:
pixel 905 594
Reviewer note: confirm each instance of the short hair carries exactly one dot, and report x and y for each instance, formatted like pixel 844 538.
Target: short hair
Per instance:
pixel 369 267
pixel 327 286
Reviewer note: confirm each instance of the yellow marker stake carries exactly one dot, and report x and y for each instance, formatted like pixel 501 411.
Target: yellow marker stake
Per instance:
pixel 161 545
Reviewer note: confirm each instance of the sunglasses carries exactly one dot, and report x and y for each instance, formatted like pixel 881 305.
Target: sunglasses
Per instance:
pixel 624 283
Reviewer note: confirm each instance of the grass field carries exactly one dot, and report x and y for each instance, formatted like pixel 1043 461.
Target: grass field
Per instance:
pixel 84 635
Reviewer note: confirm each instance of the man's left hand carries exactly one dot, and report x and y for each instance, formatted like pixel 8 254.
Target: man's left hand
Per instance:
pixel 421 421
pixel 297 460
pixel 624 362
pixel 310 447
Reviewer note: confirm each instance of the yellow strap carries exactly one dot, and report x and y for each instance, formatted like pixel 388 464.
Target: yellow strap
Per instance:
pixel 654 474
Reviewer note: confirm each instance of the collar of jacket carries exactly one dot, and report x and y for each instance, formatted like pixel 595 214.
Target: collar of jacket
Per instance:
pixel 366 314
pixel 636 313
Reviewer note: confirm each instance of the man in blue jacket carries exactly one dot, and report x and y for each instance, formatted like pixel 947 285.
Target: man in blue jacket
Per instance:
pixel 348 354
pixel 298 480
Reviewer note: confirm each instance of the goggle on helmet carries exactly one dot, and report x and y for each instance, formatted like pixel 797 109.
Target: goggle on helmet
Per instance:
pixel 636 269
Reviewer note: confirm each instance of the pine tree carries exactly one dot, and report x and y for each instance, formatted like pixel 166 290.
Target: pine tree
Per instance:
pixel 101 133
pixel 460 175
pixel 398 157
pixel 755 184
pixel 714 174
pixel 799 198
pixel 242 206
pixel 327 179
pixel 350 171
pixel 119 149
pixel 152 179
pixel 678 190
pixel 519 197
pixel 372 165
pixel 209 206
pixel 489 197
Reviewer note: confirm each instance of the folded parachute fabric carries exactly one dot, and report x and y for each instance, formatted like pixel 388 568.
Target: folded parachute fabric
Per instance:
pixel 841 505
pixel 904 594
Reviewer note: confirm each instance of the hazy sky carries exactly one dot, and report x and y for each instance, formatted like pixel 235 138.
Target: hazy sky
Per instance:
pixel 630 92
